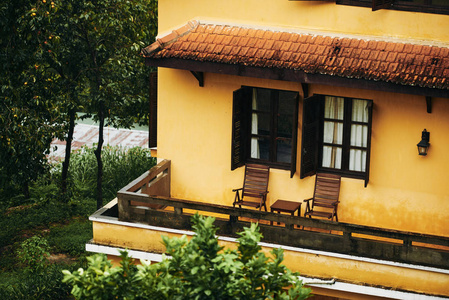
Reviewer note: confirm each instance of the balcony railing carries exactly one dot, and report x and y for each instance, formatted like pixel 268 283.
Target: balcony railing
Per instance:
pixel 147 200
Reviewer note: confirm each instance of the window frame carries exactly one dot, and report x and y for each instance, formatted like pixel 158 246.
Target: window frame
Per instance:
pixel 313 138
pixel 242 135
pixel 397 5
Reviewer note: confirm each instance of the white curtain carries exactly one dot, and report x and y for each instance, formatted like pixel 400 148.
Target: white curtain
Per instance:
pixel 255 152
pixel 333 132
pixel 359 135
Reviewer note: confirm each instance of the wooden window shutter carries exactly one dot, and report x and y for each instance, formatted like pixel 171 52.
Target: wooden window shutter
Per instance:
pixel 311 120
pixel 295 139
pixel 240 127
pixel 380 4
pixel 153 111
pixel 368 151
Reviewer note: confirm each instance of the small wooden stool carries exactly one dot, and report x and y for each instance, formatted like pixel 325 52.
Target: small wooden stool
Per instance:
pixel 286 206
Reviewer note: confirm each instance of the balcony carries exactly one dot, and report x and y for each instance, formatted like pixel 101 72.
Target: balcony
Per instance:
pixel 146 200
pixel 146 207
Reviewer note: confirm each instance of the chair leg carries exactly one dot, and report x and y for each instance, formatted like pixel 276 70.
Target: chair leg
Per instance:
pixel 236 198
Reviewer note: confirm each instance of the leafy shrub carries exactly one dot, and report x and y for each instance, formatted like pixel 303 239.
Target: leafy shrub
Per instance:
pixel 33 254
pixel 45 286
pixel 198 269
pixel 38 279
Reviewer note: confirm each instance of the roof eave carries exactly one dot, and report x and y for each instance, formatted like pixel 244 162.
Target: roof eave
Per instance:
pixel 293 75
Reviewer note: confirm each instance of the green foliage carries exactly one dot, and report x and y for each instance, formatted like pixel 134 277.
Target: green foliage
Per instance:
pixel 197 269
pixel 45 286
pixel 103 281
pixel 60 56
pixel 120 167
pixel 70 239
pixel 38 279
pixel 29 119
pixel 15 221
pixel 44 206
pixel 33 254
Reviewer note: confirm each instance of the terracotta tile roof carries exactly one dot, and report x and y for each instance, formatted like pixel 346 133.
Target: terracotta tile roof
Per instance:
pixel 399 63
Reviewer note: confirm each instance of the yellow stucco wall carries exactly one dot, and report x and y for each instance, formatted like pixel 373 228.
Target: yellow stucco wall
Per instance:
pixel 406 191
pixel 311 264
pixel 309 15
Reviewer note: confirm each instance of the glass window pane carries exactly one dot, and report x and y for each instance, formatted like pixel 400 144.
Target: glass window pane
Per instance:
pixel 284 151
pixel 287 101
pixel 260 124
pixel 261 99
pixel 357 160
pixel 359 110
pixel 285 126
pixel 260 148
pixel 334 108
pixel 331 157
pixel 359 135
pixel 333 132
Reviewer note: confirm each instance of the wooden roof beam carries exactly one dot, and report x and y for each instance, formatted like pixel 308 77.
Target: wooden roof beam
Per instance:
pixel 293 75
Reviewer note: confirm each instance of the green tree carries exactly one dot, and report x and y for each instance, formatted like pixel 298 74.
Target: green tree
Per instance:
pixel 62 56
pixel 29 118
pixel 197 269
pixel 107 36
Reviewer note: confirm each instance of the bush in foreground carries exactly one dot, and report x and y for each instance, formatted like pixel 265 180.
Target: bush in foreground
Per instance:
pixel 197 269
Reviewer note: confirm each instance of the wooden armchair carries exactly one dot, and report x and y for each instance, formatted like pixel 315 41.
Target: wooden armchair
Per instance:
pixel 255 186
pixel 325 197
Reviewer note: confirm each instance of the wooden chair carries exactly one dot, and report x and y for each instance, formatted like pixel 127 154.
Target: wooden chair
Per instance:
pixel 255 186
pixel 325 197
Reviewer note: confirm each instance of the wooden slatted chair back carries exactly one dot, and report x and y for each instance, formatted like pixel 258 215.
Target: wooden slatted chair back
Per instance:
pixel 255 187
pixel 256 180
pixel 325 198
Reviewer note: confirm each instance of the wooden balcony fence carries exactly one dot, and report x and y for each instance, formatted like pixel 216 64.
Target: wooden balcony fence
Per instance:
pixel 147 200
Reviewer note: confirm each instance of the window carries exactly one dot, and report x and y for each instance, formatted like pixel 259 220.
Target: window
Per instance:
pixel 430 6
pixel 336 136
pixel 265 127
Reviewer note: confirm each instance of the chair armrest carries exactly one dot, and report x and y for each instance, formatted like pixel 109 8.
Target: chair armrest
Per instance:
pixel 235 190
pixel 335 203
pixel 264 193
pixel 307 200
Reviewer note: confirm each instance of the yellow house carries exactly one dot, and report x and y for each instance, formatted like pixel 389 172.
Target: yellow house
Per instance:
pixel 346 87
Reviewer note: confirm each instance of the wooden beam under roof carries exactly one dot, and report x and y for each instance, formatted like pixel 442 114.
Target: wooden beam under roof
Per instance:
pixel 295 76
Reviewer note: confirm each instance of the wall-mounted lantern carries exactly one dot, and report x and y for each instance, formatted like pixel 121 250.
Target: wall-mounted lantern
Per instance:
pixel 424 144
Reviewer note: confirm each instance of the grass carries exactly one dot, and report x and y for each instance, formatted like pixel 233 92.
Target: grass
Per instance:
pixel 71 238
pixel 61 221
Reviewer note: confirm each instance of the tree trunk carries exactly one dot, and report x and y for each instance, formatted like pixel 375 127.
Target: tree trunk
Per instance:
pixel 98 155
pixel 68 149
pixel 26 190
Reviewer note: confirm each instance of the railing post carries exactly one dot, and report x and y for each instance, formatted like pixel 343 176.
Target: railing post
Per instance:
pixel 123 207
pixel 407 244
pixel 347 244
pixel 290 226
